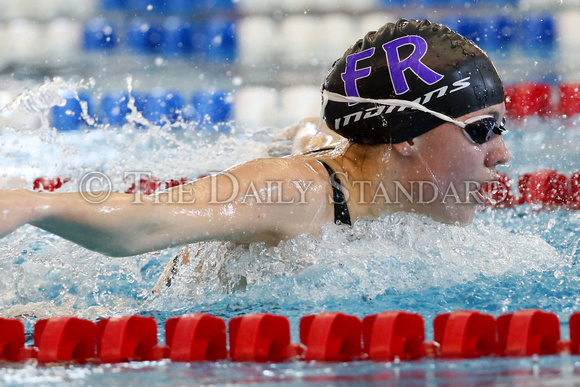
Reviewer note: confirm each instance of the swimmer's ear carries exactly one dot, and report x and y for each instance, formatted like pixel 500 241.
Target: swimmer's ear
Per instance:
pixel 406 148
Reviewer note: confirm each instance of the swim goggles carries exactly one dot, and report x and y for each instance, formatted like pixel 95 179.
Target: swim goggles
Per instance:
pixel 478 129
pixel 481 129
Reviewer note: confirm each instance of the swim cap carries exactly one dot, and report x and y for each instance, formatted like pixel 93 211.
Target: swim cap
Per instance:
pixel 409 60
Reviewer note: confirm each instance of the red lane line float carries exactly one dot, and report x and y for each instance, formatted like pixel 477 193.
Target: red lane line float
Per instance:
pixel 575 190
pixel 389 335
pixel 65 339
pixel 261 337
pixel 175 183
pixel 499 194
pixel 528 99
pixel 127 338
pixel 545 187
pixel 11 339
pixel 465 334
pixel 331 336
pixel 146 186
pixel 569 99
pixel 49 184
pixel 528 332
pixel 574 324
pixel 196 337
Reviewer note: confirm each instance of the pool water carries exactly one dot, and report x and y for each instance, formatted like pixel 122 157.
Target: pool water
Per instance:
pixel 506 261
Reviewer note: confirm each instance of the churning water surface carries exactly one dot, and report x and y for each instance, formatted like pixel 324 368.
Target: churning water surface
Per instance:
pixel 505 261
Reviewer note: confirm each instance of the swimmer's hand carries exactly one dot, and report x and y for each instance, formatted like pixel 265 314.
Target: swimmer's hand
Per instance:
pixel 17 208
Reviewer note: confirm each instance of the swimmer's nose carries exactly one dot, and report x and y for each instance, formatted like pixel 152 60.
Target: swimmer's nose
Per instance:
pixel 498 153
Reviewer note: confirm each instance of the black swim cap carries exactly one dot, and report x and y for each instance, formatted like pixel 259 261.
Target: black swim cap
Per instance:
pixel 409 60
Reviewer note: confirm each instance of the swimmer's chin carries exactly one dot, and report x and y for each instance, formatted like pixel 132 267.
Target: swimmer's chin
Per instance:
pixel 467 218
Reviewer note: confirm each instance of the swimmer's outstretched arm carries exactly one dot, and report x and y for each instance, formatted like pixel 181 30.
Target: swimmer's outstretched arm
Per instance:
pixel 241 205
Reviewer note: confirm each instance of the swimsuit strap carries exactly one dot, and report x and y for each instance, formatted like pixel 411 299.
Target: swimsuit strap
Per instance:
pixel 341 214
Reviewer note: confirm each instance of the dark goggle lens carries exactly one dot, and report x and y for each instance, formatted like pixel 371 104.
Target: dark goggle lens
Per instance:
pixel 482 131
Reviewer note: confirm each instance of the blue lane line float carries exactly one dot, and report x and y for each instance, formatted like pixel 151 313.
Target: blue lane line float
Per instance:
pixel 140 99
pixel 114 108
pixel 456 4
pixel 99 35
pixel 145 6
pixel 178 35
pixel 137 36
pixel 538 34
pixel 505 32
pixel 480 31
pixel 220 40
pixel 183 7
pixel 173 37
pixel 212 106
pixel 70 115
pixel 159 106
pixel 163 106
pixel 213 40
pixel 491 34
pixel 216 106
pixel 533 34
pixel 169 7
pixel 115 5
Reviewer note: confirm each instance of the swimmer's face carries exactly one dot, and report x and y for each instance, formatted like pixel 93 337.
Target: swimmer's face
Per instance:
pixel 460 167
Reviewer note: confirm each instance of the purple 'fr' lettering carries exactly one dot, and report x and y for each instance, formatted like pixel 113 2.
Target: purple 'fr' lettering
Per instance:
pixel 351 74
pixel 412 62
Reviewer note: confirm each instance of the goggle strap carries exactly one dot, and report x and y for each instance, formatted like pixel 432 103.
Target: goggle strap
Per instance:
pixel 328 95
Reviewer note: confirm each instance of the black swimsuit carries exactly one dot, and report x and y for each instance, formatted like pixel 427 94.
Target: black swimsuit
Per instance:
pixel 341 214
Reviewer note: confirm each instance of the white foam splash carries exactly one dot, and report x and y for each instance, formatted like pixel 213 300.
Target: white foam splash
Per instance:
pixel 399 251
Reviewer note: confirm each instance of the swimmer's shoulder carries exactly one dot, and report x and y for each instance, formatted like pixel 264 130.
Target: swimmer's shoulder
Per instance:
pixel 305 170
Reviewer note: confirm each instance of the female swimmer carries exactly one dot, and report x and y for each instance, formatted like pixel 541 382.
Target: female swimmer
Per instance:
pixel 421 109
